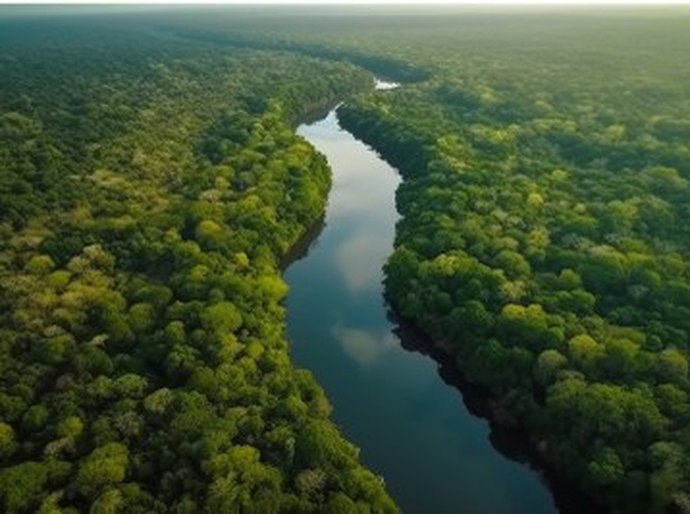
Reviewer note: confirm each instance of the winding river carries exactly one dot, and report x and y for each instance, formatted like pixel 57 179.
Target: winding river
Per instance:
pixel 413 428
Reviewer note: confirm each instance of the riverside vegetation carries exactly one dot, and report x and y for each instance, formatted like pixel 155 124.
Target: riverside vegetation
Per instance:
pixel 148 189
pixel 147 199
pixel 544 240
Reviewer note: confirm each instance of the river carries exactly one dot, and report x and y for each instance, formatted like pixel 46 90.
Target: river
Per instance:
pixel 412 427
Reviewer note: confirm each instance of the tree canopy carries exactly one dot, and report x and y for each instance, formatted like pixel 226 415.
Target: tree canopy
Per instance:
pixel 149 188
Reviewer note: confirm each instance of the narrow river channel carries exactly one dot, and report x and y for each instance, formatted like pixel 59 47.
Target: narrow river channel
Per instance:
pixel 412 427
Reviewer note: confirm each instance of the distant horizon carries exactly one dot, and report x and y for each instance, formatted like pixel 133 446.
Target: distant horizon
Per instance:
pixel 54 8
pixel 411 3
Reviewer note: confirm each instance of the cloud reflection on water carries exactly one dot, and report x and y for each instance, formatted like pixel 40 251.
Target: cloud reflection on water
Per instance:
pixel 353 261
pixel 364 347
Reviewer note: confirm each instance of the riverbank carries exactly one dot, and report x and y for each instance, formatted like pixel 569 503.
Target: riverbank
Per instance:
pixel 434 455
pixel 507 435
pixel 514 443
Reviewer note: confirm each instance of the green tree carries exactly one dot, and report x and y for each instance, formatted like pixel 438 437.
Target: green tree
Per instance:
pixel 104 466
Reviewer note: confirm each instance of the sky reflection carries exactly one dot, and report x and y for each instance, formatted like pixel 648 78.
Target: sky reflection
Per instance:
pixel 365 348
pixel 411 426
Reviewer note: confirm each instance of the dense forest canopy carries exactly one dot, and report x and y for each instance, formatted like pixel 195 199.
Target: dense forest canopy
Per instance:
pixel 148 188
pixel 150 182
pixel 544 239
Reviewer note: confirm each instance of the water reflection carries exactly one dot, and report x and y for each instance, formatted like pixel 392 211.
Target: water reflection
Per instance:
pixel 412 427
pixel 364 347
pixel 352 258
pixel 363 180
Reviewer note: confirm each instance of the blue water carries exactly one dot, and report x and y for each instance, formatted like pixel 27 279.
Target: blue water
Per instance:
pixel 413 429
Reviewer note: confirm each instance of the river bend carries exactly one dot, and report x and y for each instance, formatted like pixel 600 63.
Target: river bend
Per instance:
pixel 412 427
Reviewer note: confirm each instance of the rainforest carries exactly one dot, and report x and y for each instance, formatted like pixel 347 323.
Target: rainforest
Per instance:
pixel 309 259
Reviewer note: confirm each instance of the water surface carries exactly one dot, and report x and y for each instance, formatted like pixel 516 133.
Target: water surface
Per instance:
pixel 412 428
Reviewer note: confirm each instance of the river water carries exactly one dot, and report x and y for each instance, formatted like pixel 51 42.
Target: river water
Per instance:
pixel 412 427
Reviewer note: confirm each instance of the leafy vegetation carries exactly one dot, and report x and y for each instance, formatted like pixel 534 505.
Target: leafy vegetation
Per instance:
pixel 148 188
pixel 150 182
pixel 543 240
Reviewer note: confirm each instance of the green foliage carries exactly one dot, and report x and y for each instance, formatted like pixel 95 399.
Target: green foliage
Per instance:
pixel 22 485
pixel 105 466
pixel 543 237
pixel 221 317
pixel 149 188
pixel 7 442
pixel 148 195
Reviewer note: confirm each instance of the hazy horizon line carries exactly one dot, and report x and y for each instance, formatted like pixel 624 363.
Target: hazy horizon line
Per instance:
pixel 381 3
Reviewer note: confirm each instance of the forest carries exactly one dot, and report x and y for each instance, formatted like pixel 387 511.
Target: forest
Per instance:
pixel 151 182
pixel 544 240
pixel 148 189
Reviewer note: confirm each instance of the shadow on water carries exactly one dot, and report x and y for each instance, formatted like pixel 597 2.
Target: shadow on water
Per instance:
pixel 510 442
pixel 438 451
pixel 304 244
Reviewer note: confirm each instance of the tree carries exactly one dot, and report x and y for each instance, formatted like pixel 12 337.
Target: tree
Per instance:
pixel 70 428
pixel 210 234
pixel 672 366
pixel 606 469
pixel 104 466
pixel 548 364
pixel 585 352
pixel 7 440
pixel 22 486
pixel 40 265
pixel 221 317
